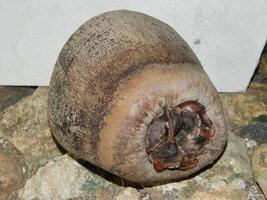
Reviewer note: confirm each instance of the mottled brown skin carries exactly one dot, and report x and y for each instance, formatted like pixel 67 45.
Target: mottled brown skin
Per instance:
pixel 114 76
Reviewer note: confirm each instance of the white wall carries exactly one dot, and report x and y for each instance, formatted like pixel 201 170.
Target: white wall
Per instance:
pixel 227 36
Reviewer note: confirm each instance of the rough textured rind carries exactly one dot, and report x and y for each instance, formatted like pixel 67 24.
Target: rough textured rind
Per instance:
pixel 116 73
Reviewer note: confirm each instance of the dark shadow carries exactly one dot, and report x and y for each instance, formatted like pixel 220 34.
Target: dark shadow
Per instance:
pixel 10 95
pixel 259 188
pixel 258 76
pixel 60 148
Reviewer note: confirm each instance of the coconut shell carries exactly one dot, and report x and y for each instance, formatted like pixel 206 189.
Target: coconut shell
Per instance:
pixel 116 74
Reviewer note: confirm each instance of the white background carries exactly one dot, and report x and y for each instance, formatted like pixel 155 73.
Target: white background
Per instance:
pixel 227 36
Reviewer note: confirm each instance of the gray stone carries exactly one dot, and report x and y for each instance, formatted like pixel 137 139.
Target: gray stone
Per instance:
pixel 13 170
pixel 261 118
pixel 25 126
pixel 251 143
pixel 128 194
pixel 238 184
pixel 243 108
pixel 61 178
pixel 259 166
pixel 256 131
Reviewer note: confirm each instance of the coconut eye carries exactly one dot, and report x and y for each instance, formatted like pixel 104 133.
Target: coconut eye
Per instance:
pixel 185 137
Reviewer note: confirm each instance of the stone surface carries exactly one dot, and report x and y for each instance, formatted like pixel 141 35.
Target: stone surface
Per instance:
pixel 101 193
pixel 13 170
pixel 251 143
pixel 256 131
pixel 25 126
pixel 61 178
pixel 259 165
pixel 128 194
pixel 261 118
pixel 224 194
pixel 243 108
pixel 10 95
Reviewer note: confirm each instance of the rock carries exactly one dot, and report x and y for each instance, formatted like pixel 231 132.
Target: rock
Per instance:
pixel 261 118
pixel 106 193
pixel 262 181
pixel 235 162
pixel 226 194
pixel 255 193
pixel 251 144
pixel 101 193
pixel 10 95
pixel 25 126
pixel 243 108
pixel 259 166
pixel 238 184
pixel 257 132
pixel 128 194
pixel 61 178
pixel 13 170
